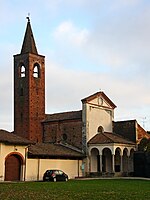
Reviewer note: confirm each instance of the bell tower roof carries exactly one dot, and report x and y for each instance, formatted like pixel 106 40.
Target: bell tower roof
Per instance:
pixel 29 45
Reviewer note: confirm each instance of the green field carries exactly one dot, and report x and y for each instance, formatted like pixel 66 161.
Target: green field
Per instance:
pixel 77 189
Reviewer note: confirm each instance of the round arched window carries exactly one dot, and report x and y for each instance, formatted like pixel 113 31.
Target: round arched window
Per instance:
pixel 100 129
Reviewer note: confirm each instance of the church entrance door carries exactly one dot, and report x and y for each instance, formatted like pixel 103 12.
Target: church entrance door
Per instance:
pixel 13 168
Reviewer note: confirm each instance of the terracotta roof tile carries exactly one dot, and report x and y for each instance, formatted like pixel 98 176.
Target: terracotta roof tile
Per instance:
pixel 53 150
pixel 64 116
pixel 104 138
pixel 10 138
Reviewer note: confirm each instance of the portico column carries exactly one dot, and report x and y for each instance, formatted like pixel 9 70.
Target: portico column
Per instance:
pixel 121 167
pixel 22 172
pixel 113 163
pixel 100 156
pixel 128 164
pixel 89 162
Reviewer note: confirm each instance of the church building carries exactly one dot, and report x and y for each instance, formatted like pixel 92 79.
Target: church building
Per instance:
pixel 86 142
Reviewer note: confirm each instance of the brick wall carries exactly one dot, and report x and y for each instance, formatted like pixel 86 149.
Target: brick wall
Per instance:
pixel 126 129
pixel 67 131
pixel 130 129
pixel 29 97
pixel 141 133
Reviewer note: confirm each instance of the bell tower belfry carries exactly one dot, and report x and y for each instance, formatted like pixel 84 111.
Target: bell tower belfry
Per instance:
pixel 29 89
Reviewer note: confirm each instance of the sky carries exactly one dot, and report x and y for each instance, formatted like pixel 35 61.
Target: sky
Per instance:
pixel 89 46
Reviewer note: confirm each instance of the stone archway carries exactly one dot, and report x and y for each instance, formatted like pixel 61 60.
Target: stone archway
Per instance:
pixel 13 163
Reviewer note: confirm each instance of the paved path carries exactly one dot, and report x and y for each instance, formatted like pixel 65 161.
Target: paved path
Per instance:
pixel 128 178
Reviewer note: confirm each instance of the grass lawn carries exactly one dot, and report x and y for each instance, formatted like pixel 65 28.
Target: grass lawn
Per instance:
pixel 77 189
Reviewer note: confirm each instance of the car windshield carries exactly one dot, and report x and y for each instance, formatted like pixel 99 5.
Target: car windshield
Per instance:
pixel 60 172
pixel 49 171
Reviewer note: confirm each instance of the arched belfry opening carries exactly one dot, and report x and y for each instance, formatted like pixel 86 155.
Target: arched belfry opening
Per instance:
pixel 22 70
pixel 36 70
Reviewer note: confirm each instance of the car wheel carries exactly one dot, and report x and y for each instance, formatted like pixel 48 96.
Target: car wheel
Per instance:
pixel 66 179
pixel 54 179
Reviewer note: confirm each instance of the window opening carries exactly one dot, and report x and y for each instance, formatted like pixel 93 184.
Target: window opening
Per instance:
pixel 23 71
pixel 100 129
pixel 36 71
pixel 21 92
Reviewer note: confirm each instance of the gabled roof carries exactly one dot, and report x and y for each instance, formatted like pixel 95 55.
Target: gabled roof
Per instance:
pixel 53 151
pixel 98 94
pixel 10 138
pixel 29 45
pixel 72 115
pixel 105 138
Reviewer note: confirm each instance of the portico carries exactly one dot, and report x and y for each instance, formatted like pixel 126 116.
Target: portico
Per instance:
pixel 109 156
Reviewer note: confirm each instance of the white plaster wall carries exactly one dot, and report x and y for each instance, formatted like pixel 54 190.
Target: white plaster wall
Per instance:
pixel 97 112
pixel 35 168
pixel 7 149
pixel 31 173
pixel 98 116
pixel 1 164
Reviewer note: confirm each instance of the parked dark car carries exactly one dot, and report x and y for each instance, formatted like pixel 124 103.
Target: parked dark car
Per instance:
pixel 55 175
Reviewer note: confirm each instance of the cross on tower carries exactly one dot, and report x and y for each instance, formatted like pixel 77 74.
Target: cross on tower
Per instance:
pixel 28 17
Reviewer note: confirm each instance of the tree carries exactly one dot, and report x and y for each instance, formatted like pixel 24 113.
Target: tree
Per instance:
pixel 144 145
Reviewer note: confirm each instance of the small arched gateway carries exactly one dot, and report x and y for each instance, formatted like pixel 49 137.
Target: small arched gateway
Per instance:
pixel 13 153
pixel 13 167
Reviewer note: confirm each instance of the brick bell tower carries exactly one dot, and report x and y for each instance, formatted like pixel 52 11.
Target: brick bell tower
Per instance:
pixel 29 89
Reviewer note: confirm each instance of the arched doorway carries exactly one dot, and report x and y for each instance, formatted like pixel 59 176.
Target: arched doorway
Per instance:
pixel 13 163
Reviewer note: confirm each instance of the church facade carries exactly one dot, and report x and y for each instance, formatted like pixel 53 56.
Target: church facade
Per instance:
pixel 81 143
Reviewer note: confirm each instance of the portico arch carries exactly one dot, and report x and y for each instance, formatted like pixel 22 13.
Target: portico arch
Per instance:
pixel 125 160
pixel 106 160
pixel 117 159
pixel 131 161
pixel 95 162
